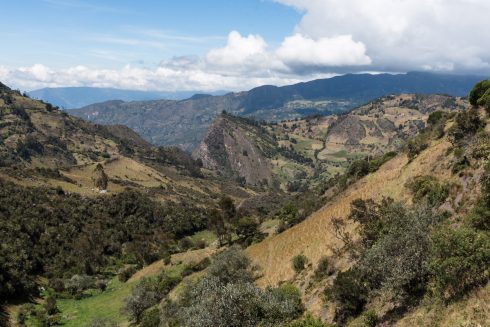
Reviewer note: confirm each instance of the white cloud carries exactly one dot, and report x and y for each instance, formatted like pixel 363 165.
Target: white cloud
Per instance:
pixel 333 36
pixel 405 34
pixel 240 52
pixel 170 76
pixel 298 50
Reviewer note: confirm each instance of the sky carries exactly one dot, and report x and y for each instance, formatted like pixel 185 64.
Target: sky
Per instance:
pixel 209 45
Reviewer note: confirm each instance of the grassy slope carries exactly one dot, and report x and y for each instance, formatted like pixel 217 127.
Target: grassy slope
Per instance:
pixel 313 237
pixel 473 310
pixel 108 304
pixel 105 305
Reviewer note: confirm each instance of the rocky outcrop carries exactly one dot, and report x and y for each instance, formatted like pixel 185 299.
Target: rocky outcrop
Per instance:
pixel 231 149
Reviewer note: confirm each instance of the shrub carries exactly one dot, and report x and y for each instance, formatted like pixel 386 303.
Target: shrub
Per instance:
pixel 416 145
pixel 247 229
pixel 358 168
pixel 349 293
pixel 435 117
pixel 196 266
pixel 185 244
pixel 478 91
pixel 200 244
pixel 481 146
pixel 289 213
pixel 376 162
pixel 231 266
pixel 56 284
pixel 150 318
pixel 368 214
pixel 460 260
pixel 323 269
pixel 466 123
pixel 370 318
pixel 299 263
pixel 397 262
pixel 147 293
pixel 50 305
pixel 126 272
pixel 79 283
pixel 143 295
pixel 427 188
pixel 212 303
pixel 289 293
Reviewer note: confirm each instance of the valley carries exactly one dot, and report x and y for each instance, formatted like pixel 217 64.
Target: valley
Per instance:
pixel 119 232
pixel 184 123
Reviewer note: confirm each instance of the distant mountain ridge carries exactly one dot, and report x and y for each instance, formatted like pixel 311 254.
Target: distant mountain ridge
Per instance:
pixel 76 97
pixel 184 123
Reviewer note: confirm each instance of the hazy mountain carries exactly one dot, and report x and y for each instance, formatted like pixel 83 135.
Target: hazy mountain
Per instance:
pixel 76 97
pixel 184 123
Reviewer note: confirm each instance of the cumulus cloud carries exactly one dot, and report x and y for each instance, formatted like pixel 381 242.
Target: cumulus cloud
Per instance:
pixel 172 75
pixel 449 35
pixel 239 50
pixel 298 50
pixel 333 36
pixel 242 63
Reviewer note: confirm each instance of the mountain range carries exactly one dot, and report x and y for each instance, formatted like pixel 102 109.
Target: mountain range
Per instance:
pixel 184 123
pixel 76 97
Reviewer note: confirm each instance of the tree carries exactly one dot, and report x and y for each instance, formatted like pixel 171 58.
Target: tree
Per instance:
pixel 100 177
pixel 231 266
pixel 349 293
pixel 460 260
pixel 247 229
pixel 299 263
pixel 478 91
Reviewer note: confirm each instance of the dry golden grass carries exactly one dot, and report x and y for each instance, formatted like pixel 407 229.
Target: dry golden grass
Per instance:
pixel 472 311
pixel 313 237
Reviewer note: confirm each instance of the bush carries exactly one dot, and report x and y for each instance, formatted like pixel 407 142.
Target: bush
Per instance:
pixel 416 145
pixel 126 272
pixel 200 244
pixel 147 293
pixel 349 293
pixel 50 305
pixel 56 284
pixel 150 318
pixel 185 244
pixel 460 260
pixel 299 263
pixel 143 295
pixel 478 92
pixel 247 230
pixel 79 283
pixel 289 293
pixel 397 262
pixel 323 269
pixel 212 303
pixel 231 266
pixel 435 117
pixel 370 318
pixel 427 188
pixel 480 148
pixel 196 266
pixel 467 122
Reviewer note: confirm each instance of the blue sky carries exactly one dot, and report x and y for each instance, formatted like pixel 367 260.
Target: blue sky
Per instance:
pixel 58 33
pixel 207 45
